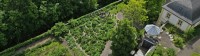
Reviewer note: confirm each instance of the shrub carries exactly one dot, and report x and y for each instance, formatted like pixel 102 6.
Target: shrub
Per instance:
pixel 178 41
pixel 161 51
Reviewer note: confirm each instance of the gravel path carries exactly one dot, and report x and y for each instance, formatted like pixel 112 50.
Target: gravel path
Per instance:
pixel 34 44
pixel 166 42
pixel 107 51
pixel 78 45
pixel 64 43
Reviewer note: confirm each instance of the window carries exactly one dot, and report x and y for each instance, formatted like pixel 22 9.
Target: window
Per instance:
pixel 179 23
pixel 168 15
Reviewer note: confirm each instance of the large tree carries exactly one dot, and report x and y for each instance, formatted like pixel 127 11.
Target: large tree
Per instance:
pixel 153 7
pixel 134 10
pixel 124 39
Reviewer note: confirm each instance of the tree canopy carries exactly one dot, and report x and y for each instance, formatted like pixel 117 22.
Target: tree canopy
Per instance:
pixel 134 10
pixel 124 39
pixel 23 19
pixel 153 7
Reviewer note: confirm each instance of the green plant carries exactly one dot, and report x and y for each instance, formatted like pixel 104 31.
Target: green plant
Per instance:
pixel 178 41
pixel 85 30
pixel 161 51
pixel 195 54
pixel 53 49
pixel 171 52
pixel 11 51
pixel 124 38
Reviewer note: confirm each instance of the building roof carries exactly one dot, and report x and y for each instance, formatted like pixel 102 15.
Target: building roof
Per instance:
pixel 188 10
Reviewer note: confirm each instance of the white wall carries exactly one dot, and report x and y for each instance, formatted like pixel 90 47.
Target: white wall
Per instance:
pixel 163 15
pixel 174 20
pixel 197 24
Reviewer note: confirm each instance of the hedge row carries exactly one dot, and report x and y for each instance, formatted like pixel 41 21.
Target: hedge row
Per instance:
pixel 10 51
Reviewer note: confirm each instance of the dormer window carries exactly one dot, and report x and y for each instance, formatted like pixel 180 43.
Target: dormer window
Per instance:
pixel 168 15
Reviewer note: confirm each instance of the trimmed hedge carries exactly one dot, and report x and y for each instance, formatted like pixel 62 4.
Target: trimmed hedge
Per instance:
pixel 10 51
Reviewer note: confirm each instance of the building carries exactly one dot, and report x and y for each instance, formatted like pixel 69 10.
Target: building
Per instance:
pixel 184 14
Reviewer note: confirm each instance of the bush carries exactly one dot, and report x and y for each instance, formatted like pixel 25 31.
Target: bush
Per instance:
pixel 171 52
pixel 178 41
pixel 161 51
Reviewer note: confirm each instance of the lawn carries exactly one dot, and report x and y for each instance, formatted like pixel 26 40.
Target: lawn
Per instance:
pixel 195 54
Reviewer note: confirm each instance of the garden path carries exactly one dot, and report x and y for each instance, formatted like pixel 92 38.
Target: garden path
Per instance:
pixel 166 42
pixel 107 51
pixel 34 44
pixel 64 43
pixel 78 45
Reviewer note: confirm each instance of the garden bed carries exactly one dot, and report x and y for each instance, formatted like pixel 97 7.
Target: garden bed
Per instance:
pixel 180 38
pixel 161 51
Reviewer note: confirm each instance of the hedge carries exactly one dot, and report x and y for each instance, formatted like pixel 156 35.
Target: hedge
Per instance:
pixel 10 51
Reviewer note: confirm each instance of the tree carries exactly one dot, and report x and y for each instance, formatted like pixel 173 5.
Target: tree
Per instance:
pixel 104 2
pixel 134 11
pixel 22 19
pixel 124 39
pixel 3 40
pixel 153 8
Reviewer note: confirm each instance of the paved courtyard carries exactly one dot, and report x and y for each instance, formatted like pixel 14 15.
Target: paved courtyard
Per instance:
pixel 191 47
pixel 166 42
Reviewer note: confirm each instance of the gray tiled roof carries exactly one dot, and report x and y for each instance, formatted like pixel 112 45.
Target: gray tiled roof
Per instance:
pixel 188 10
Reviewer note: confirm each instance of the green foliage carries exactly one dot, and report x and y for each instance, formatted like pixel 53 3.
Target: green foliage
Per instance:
pixel 189 34
pixel 171 52
pixel 104 2
pixel 180 37
pixel 22 19
pixel 154 8
pixel 12 50
pixel 59 29
pixel 54 49
pixel 134 11
pixel 90 33
pixel 161 51
pixel 124 39
pixel 96 30
pixel 178 41
pixel 195 54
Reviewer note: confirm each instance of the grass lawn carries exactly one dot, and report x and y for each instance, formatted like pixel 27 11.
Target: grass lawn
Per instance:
pixel 195 54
